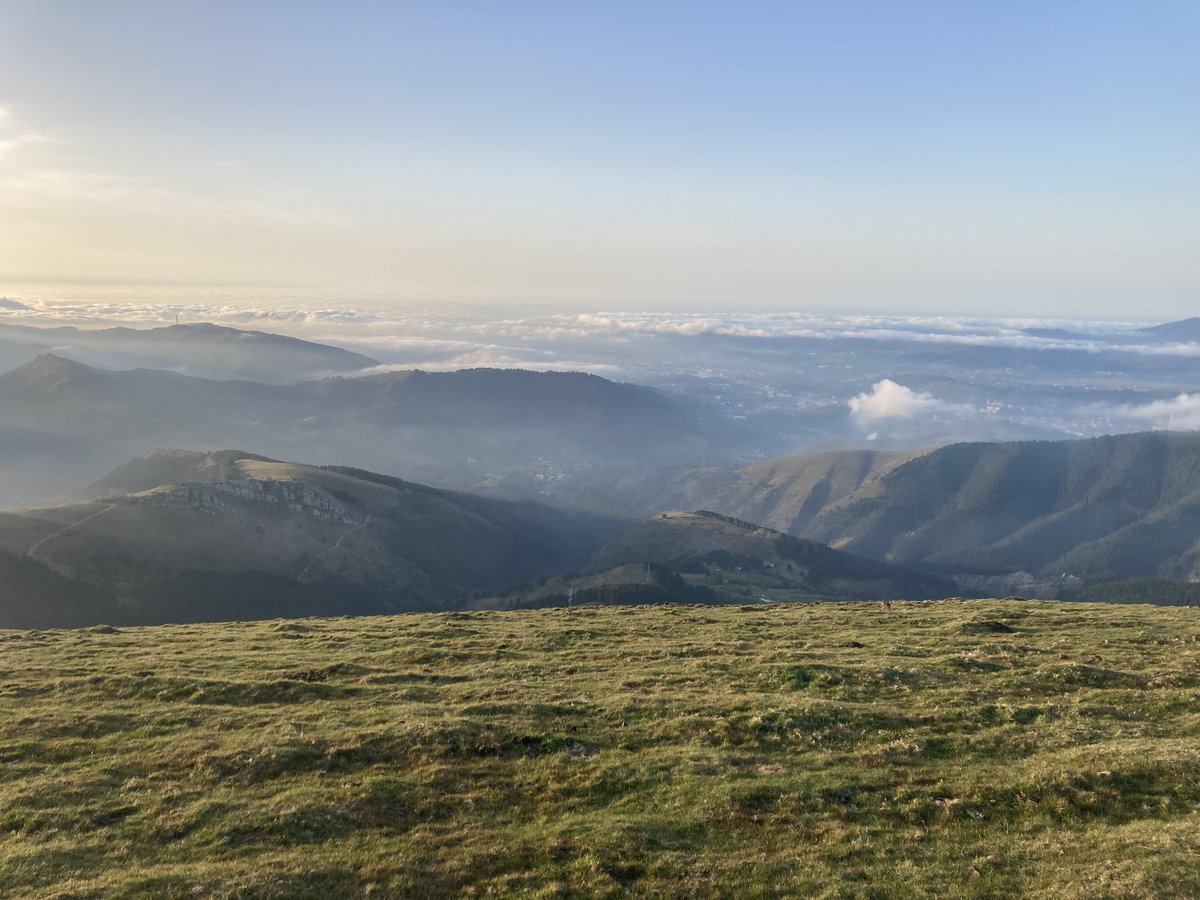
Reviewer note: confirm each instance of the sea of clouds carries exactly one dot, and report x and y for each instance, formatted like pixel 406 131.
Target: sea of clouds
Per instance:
pixel 620 344
pixel 469 332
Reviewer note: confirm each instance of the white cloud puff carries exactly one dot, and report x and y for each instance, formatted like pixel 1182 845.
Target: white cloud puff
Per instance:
pixel 1180 413
pixel 889 400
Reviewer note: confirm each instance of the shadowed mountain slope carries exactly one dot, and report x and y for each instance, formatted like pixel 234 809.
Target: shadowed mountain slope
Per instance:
pixel 785 493
pixel 702 541
pixel 252 538
pixel 1107 508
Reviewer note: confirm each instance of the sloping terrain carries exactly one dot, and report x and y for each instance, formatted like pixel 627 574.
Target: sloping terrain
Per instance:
pixel 748 560
pixel 204 350
pixel 164 466
pixel 630 584
pixel 785 493
pixel 17 353
pixel 238 536
pixel 466 429
pixel 1102 509
pixel 181 535
pixel 1110 508
pixel 959 749
pixel 1183 330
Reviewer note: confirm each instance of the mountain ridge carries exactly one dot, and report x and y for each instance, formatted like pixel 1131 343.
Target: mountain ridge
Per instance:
pixel 476 429
pixel 706 542
pixel 1183 329
pixel 201 349
pixel 266 538
pixel 1108 508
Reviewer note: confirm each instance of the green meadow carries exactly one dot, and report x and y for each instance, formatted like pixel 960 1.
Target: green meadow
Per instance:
pixel 958 748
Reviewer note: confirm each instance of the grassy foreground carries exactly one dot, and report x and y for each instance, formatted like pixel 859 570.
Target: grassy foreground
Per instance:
pixel 960 748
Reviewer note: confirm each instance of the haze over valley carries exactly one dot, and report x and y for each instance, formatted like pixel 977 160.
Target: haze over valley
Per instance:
pixel 970 452
pixel 599 449
pixel 743 387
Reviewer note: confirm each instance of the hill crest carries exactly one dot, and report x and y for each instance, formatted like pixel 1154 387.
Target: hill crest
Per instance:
pixel 202 536
pixel 1097 509
pixel 705 542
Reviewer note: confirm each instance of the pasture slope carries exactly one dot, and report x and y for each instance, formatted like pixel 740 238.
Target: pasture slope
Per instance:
pixel 952 748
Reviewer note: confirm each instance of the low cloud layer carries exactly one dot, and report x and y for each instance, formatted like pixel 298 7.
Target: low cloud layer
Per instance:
pixel 635 345
pixel 800 373
pixel 1181 413
pixel 357 318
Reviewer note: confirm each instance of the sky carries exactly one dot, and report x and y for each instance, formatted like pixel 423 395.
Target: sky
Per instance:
pixel 992 158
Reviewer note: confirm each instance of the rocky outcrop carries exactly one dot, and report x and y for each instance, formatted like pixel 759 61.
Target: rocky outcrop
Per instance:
pixel 215 497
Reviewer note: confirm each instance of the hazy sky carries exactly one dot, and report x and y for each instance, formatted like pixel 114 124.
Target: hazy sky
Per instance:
pixel 986 157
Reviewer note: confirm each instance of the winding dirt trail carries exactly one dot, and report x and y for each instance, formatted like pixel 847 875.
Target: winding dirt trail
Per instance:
pixel 365 522
pixel 29 553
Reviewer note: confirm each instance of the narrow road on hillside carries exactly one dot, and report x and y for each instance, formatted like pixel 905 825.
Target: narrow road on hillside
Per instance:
pixel 60 531
pixel 345 535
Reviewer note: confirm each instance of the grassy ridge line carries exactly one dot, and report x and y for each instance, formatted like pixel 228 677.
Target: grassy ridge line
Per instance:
pixel 955 748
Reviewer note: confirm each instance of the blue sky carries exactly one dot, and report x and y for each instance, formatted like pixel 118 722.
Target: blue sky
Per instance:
pixel 1001 157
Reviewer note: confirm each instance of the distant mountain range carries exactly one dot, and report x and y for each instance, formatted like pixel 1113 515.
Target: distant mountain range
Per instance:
pixel 1038 518
pixel 1183 330
pixel 236 536
pixel 785 492
pixel 189 536
pixel 63 424
pixel 1104 509
pixel 203 350
pixel 178 536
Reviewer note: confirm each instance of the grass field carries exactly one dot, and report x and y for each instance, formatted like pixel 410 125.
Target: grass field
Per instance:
pixel 962 748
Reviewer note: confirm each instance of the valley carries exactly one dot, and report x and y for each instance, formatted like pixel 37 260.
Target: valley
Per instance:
pixel 599 450
pixel 503 488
